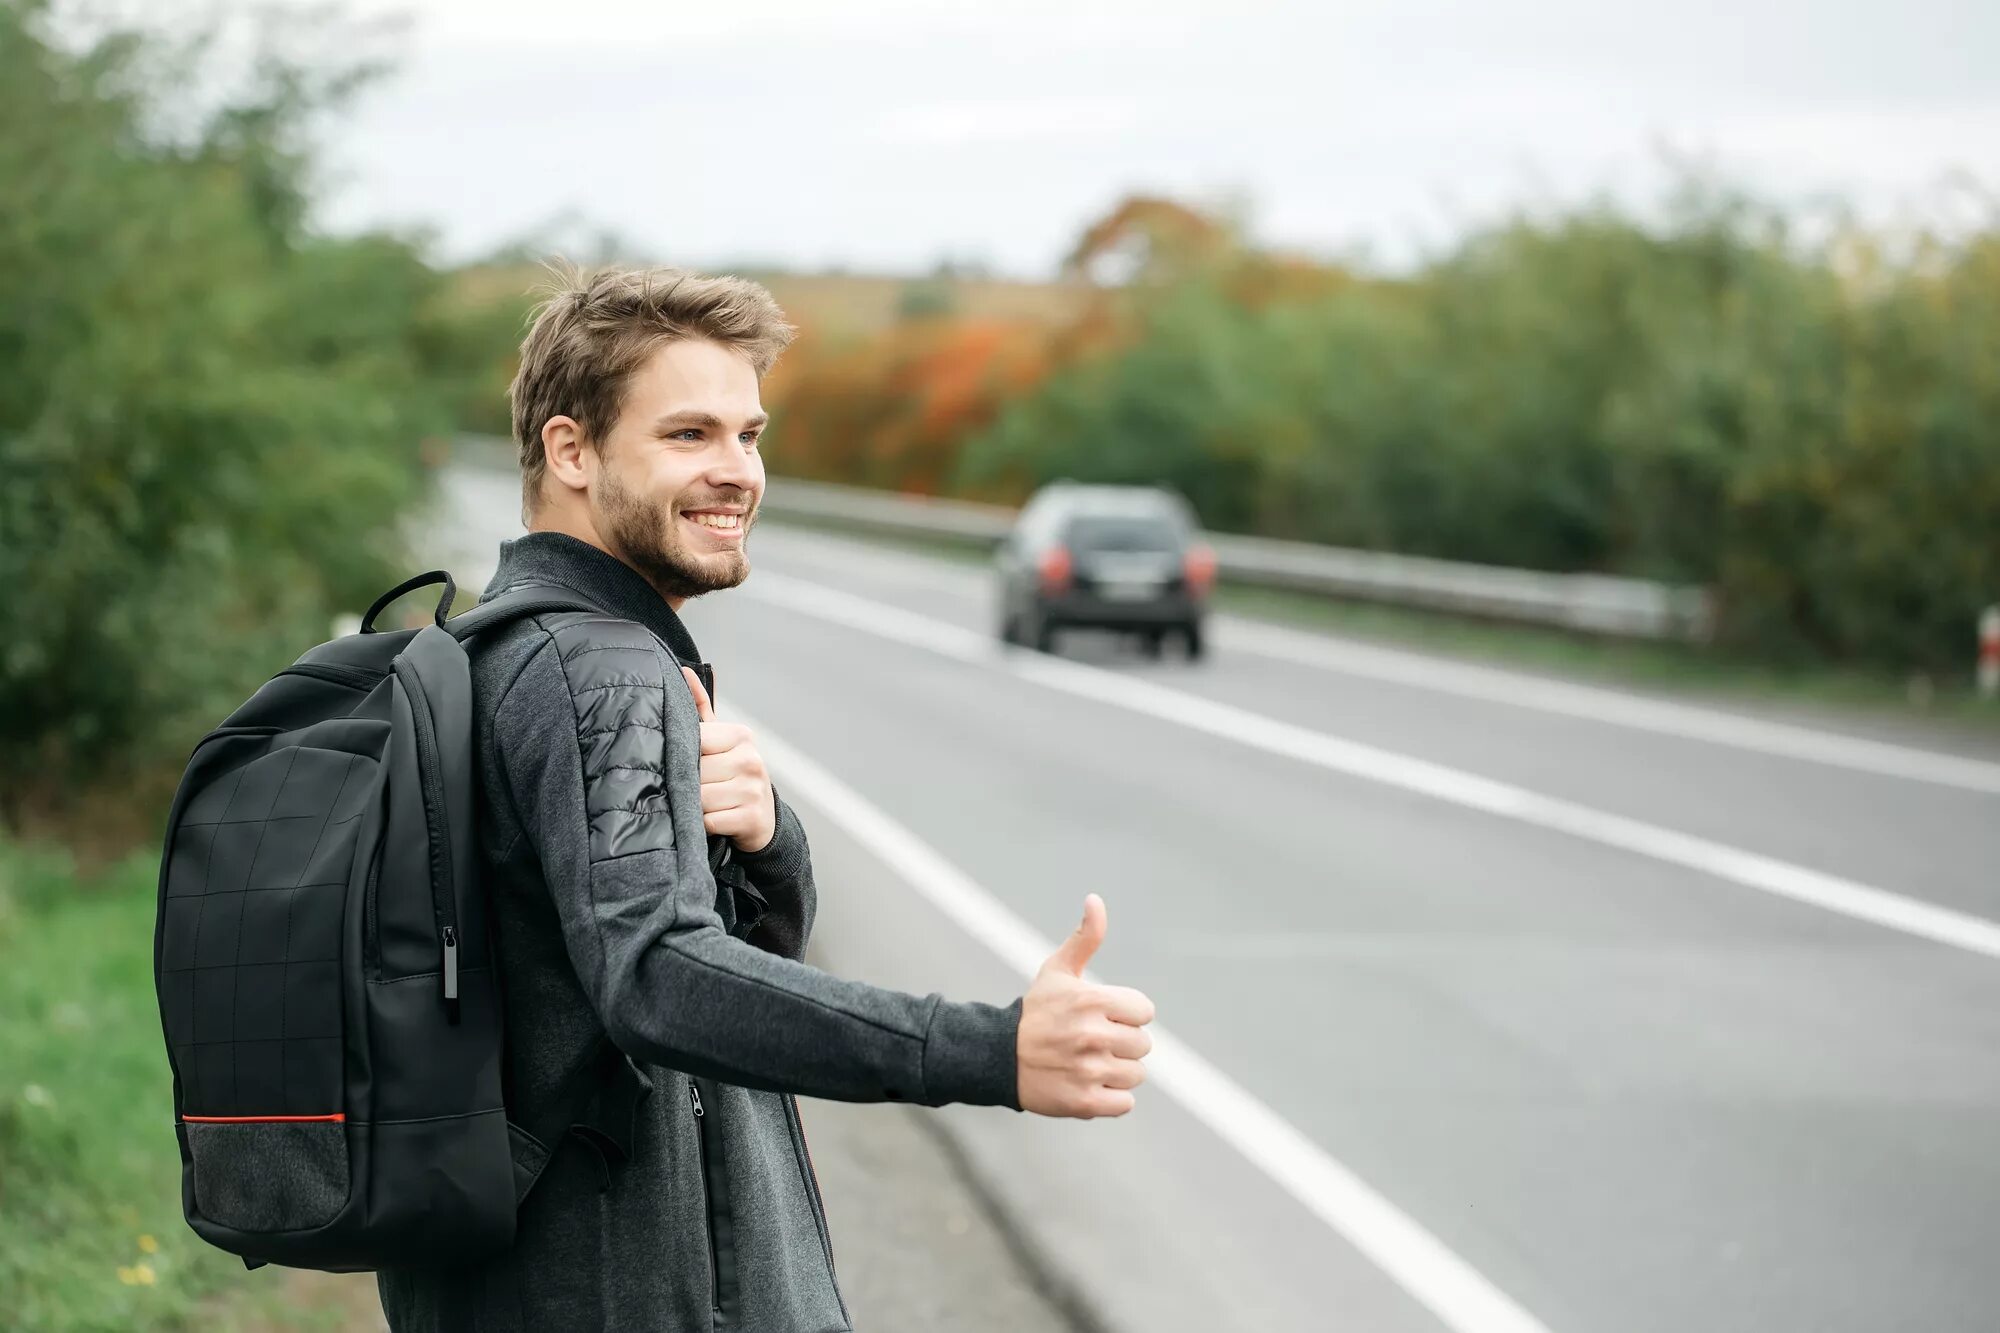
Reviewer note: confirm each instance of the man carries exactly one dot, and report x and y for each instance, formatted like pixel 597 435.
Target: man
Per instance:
pixel 609 796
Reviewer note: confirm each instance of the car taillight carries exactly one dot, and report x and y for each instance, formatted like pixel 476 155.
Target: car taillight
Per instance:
pixel 1200 570
pixel 1056 569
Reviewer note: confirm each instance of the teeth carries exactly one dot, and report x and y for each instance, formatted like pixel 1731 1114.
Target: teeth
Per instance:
pixel 718 520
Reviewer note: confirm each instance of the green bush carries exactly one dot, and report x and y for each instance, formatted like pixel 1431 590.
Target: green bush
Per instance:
pixel 210 416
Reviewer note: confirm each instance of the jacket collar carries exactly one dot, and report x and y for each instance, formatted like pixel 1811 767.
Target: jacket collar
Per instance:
pixel 600 578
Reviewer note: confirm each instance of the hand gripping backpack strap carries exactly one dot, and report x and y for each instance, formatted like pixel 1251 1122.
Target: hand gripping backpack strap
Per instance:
pixel 532 600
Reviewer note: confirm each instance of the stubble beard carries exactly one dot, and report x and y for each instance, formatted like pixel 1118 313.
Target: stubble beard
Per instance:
pixel 646 535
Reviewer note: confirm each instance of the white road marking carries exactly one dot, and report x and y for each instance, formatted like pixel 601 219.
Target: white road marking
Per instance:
pixel 1417 1261
pixel 1516 689
pixel 1850 898
pixel 1619 709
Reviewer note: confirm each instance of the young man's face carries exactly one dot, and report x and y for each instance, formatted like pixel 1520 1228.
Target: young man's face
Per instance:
pixel 681 477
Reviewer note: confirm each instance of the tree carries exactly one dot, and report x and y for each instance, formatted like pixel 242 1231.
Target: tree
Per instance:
pixel 209 415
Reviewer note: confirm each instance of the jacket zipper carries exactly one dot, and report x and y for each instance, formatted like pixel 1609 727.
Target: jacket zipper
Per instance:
pixel 444 891
pixel 818 1203
pixel 339 675
pixel 707 1204
pixel 812 1178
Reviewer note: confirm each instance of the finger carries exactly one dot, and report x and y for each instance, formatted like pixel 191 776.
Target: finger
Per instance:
pixel 1122 1004
pixel 729 794
pixel 719 736
pixel 726 808
pixel 702 707
pixel 1128 1043
pixel 1108 1102
pixel 728 761
pixel 734 822
pixel 1125 1074
pixel 1074 954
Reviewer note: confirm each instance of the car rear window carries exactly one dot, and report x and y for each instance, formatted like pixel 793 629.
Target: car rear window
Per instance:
pixel 1121 532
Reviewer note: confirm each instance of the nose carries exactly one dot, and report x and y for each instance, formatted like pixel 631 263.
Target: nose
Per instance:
pixel 733 466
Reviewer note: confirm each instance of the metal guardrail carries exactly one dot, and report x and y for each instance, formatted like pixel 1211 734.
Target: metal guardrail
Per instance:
pixel 1590 603
pixel 1593 603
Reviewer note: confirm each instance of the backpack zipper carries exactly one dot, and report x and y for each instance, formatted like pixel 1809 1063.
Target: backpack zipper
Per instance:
pixel 371 942
pixel 707 1204
pixel 444 895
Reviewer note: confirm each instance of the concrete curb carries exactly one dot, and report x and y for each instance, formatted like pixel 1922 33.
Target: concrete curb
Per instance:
pixel 1053 1278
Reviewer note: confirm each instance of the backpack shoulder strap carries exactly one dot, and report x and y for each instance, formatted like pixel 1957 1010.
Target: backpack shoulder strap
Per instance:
pixel 516 603
pixel 595 1101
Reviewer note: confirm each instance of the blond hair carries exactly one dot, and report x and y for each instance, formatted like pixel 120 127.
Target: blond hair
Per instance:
pixel 595 329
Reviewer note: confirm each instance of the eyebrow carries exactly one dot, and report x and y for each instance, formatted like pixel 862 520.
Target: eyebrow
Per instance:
pixel 705 420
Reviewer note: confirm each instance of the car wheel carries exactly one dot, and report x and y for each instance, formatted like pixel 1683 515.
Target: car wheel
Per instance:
pixel 1153 643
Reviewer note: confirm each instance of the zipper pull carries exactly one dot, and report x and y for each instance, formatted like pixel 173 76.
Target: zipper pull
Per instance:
pixel 694 1095
pixel 451 974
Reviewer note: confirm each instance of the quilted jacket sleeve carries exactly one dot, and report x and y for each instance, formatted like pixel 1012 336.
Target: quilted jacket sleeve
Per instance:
pixel 602 759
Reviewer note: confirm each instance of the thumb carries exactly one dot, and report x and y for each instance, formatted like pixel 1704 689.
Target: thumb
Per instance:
pixel 702 706
pixel 1074 954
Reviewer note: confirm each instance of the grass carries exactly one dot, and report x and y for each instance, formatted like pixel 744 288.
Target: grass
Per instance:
pixel 1664 667
pixel 91 1232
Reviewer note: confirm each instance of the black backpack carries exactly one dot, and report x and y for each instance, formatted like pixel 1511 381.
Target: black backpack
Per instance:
pixel 324 971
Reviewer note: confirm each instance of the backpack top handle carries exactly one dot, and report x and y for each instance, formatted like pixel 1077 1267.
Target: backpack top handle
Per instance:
pixel 411 585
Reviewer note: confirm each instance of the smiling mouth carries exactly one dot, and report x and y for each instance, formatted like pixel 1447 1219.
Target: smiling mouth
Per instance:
pixel 723 526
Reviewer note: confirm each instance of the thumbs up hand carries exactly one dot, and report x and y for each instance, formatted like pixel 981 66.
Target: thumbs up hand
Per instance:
pixel 736 797
pixel 1080 1044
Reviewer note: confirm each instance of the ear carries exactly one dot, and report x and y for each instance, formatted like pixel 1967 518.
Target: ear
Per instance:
pixel 565 449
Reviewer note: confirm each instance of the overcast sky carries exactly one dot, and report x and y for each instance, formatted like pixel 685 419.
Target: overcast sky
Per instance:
pixel 884 135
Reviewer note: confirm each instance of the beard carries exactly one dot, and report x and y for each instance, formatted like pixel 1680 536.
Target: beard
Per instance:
pixel 647 535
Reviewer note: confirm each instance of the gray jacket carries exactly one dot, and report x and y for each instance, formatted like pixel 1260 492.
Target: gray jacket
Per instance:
pixel 609 920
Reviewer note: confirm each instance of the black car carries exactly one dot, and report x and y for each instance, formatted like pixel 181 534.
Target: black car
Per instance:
pixel 1126 558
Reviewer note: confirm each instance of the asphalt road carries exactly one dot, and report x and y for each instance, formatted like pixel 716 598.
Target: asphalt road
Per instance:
pixel 1497 1005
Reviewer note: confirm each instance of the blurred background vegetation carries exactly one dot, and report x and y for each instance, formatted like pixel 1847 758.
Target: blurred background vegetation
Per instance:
pixel 214 417
pixel 1811 429
pixel 209 414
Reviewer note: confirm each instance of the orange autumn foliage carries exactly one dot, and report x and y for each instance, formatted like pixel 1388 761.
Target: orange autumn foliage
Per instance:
pixel 891 406
pixel 890 411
